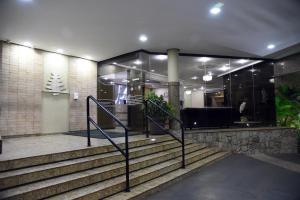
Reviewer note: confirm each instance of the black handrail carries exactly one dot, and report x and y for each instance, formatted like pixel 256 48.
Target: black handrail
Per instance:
pixel 90 120
pixel 163 129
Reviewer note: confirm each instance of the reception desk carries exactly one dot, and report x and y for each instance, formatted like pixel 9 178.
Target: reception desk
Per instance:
pixel 209 117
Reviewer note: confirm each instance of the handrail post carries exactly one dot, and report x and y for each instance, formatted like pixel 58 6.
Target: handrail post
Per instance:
pixel 88 121
pixel 127 162
pixel 146 120
pixel 182 144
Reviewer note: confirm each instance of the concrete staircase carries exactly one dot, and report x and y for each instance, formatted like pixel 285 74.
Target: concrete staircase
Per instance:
pixel 98 172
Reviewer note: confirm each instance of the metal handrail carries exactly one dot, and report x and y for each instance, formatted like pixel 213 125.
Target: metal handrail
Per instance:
pixel 90 120
pixel 163 129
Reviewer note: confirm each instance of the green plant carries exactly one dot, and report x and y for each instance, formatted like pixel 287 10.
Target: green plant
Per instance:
pixel 154 111
pixel 288 107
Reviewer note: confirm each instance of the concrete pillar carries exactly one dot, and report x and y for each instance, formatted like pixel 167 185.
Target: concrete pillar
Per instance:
pixel 173 85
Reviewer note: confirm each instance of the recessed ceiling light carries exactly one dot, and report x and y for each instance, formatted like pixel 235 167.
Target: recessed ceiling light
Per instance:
pixel 59 51
pixel 271 46
pixel 153 139
pixel 204 59
pixel 184 87
pixel 161 57
pixel 134 67
pixel 28 44
pixel 115 63
pixel 188 92
pixel 143 38
pixel 194 77
pixel 138 62
pixel 216 9
pixel 224 68
pixel 152 70
pixel 242 61
pixel 88 57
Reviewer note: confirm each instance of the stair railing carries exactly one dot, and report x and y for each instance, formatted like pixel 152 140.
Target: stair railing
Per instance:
pixel 171 116
pixel 90 120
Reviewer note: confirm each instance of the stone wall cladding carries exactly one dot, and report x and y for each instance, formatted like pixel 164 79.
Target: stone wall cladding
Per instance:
pixel 20 88
pixel 82 79
pixel 262 140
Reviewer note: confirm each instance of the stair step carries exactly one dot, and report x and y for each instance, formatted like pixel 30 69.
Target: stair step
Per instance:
pixel 112 186
pixel 157 184
pixel 65 183
pixel 67 155
pixel 26 175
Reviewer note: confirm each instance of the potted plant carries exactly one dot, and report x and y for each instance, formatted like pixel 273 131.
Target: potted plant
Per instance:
pixel 157 114
pixel 288 108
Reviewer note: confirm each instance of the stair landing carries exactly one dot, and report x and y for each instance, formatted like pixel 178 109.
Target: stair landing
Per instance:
pixel 22 147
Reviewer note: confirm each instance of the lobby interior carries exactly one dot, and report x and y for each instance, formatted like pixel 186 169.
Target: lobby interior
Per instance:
pixel 149 99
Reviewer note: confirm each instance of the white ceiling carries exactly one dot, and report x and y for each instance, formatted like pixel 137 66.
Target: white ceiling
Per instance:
pixel 107 28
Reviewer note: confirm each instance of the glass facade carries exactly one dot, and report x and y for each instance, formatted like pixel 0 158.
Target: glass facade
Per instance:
pixel 241 91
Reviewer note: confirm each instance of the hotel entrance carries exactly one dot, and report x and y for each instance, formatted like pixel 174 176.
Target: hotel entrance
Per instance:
pixel 121 89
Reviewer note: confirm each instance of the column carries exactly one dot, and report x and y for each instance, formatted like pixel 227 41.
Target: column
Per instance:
pixel 173 85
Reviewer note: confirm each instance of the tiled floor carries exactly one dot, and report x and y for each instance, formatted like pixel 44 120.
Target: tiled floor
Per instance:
pixel 22 147
pixel 237 177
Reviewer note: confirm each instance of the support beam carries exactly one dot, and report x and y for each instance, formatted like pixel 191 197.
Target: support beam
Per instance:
pixel 173 85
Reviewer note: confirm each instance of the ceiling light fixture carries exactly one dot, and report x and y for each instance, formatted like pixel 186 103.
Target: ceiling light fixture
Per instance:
pixel 138 62
pixel 207 77
pixel 194 78
pixel 242 61
pixel 143 38
pixel 134 67
pixel 216 9
pixel 271 46
pixel 28 44
pixel 188 92
pixel 115 63
pixel 203 59
pixel 224 68
pixel 161 57
pixel 59 51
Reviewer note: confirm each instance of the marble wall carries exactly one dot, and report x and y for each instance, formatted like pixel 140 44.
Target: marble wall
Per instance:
pixel 21 89
pixel 82 80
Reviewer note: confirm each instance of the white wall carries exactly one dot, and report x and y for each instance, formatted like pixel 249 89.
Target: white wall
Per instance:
pixel 163 92
pixel 194 100
pixel 55 109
